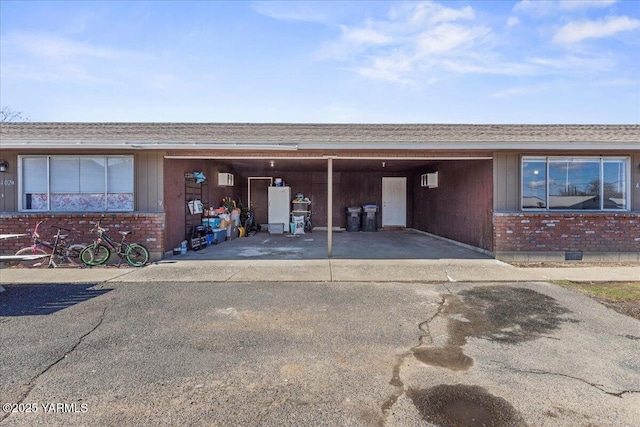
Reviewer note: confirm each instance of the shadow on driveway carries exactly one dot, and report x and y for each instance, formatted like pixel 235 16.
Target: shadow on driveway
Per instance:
pixel 40 300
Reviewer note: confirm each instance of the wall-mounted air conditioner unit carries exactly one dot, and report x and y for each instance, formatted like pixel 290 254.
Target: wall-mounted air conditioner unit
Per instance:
pixel 225 179
pixel 429 180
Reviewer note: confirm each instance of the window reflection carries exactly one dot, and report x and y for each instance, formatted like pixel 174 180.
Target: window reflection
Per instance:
pixel 575 183
pixel 534 184
pixel 615 184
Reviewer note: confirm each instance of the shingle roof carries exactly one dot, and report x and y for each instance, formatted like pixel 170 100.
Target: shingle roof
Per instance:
pixel 177 133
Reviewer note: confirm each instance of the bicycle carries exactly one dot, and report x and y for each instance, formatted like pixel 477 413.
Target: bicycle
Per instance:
pixel 99 252
pixel 308 226
pixel 250 227
pixel 42 253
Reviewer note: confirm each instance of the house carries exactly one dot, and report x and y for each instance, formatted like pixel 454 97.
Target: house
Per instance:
pixel 519 192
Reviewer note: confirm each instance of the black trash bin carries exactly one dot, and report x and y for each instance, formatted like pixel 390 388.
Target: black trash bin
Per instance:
pixel 370 218
pixel 353 218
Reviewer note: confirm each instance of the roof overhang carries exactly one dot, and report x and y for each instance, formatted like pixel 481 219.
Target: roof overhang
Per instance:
pixel 371 145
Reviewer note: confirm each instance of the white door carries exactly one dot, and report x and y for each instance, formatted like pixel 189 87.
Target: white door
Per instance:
pixel 394 201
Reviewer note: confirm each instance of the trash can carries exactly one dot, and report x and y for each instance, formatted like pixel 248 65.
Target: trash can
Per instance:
pixel 353 218
pixel 370 218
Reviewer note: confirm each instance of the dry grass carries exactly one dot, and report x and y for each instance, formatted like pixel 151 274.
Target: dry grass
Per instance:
pixel 623 297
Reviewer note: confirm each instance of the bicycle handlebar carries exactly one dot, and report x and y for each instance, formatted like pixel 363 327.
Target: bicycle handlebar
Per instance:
pixel 35 234
pixel 98 228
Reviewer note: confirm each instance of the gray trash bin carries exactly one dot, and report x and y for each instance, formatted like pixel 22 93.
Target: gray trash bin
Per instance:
pixel 370 218
pixel 353 218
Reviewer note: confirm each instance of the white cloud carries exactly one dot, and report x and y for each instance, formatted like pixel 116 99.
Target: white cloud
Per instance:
pixel 576 63
pixel 415 37
pixel 548 7
pixel 365 36
pixel 574 32
pixel 585 4
pixel 393 68
pixel 449 38
pixel 430 13
pixel 516 91
pixel 59 48
pixel 58 59
pixel 513 21
pixel 290 11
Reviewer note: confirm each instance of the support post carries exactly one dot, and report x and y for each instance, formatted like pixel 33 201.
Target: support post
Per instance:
pixel 329 207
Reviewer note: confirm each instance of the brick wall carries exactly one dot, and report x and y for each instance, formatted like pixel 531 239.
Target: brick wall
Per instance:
pixel 147 228
pixel 567 232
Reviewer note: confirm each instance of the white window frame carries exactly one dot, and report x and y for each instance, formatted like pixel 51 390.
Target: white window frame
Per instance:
pixel 21 208
pixel 601 159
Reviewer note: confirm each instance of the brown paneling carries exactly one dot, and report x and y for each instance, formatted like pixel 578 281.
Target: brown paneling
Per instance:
pixel 460 208
pixel 260 200
pixel 174 197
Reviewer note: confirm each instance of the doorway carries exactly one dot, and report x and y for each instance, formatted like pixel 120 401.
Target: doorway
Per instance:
pixel 394 201
pixel 258 198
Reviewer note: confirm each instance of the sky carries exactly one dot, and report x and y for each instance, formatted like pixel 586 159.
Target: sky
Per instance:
pixel 471 62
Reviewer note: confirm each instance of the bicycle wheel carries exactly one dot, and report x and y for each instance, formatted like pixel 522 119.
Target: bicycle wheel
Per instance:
pixel 95 254
pixel 137 255
pixel 41 257
pixel 73 254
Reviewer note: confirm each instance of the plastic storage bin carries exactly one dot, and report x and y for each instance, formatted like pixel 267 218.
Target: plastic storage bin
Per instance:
pixel 219 235
pixel 211 222
pixel 353 218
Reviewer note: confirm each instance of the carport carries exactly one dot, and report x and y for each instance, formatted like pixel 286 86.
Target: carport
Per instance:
pixel 458 207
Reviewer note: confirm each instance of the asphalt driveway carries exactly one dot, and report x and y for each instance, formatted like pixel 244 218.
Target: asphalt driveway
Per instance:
pixel 348 353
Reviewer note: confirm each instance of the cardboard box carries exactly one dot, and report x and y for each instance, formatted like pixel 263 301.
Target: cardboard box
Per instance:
pixel 276 228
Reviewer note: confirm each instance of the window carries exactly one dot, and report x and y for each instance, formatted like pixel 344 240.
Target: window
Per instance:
pixel 590 183
pixel 77 183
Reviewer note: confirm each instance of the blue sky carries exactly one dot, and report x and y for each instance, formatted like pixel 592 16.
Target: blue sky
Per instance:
pixel 322 62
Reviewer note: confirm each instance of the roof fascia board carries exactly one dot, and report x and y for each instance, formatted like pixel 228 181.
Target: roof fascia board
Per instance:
pixel 148 145
pixel 335 157
pixel 373 145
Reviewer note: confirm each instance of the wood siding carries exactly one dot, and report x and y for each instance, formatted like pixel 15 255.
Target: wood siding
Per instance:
pixel 149 179
pixel 460 208
pixel 9 183
pixel 506 178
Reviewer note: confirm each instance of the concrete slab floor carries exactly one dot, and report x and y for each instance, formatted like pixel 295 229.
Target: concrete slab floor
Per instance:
pixel 397 244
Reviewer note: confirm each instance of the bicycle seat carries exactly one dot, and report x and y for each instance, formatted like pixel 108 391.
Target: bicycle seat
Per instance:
pixel 124 233
pixel 63 236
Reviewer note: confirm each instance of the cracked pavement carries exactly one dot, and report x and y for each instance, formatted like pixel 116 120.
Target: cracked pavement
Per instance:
pixel 316 353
